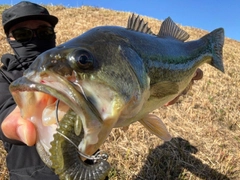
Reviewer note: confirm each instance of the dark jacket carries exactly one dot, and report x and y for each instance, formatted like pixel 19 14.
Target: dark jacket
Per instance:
pixel 23 162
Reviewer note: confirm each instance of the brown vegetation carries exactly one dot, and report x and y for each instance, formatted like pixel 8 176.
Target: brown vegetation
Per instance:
pixel 204 123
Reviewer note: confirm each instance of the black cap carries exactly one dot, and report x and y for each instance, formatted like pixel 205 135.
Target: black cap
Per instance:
pixel 24 11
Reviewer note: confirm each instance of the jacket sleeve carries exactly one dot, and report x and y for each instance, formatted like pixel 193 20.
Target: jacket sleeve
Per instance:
pixel 7 104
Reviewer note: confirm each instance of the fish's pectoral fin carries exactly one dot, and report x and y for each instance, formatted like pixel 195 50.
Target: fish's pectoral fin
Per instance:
pixel 137 24
pixel 164 89
pixel 155 125
pixel 170 29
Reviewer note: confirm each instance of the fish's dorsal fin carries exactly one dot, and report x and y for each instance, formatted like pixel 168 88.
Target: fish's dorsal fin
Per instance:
pixel 170 29
pixel 137 24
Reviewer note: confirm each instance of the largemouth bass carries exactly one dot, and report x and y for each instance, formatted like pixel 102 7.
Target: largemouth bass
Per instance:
pixel 108 77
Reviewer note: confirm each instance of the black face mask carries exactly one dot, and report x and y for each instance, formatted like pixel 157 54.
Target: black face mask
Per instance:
pixel 30 50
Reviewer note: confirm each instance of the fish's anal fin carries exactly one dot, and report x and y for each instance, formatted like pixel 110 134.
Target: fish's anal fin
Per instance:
pixel 155 125
pixel 170 29
pixel 137 24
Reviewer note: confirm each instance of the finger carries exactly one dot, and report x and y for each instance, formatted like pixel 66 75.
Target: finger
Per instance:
pixel 16 128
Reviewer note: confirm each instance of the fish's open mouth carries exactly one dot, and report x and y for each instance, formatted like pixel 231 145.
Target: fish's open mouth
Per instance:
pixel 47 102
pixel 40 98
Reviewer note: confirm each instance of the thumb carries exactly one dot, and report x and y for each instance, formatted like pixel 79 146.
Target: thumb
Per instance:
pixel 16 128
pixel 26 132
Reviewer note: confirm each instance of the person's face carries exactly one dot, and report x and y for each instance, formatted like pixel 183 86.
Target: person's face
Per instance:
pixel 30 24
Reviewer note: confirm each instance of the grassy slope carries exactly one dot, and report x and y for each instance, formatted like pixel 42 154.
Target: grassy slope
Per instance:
pixel 204 123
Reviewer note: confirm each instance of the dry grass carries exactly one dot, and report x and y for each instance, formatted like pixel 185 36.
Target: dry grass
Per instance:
pixel 205 123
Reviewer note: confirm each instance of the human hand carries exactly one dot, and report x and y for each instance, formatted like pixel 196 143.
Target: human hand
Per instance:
pixel 16 128
pixel 198 76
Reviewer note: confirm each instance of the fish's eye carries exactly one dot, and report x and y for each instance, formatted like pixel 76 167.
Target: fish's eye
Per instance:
pixel 83 59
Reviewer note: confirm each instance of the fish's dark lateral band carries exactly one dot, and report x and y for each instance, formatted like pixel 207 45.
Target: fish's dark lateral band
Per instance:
pixel 65 158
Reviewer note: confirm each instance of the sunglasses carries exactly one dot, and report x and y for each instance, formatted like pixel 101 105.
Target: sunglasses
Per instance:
pixel 24 35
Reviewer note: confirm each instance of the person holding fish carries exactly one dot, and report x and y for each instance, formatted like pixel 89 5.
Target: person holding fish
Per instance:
pixel 29 29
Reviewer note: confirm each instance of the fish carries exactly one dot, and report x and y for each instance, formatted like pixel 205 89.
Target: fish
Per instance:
pixel 105 78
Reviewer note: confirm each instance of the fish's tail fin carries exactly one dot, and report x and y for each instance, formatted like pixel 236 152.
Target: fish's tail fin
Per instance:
pixel 216 39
